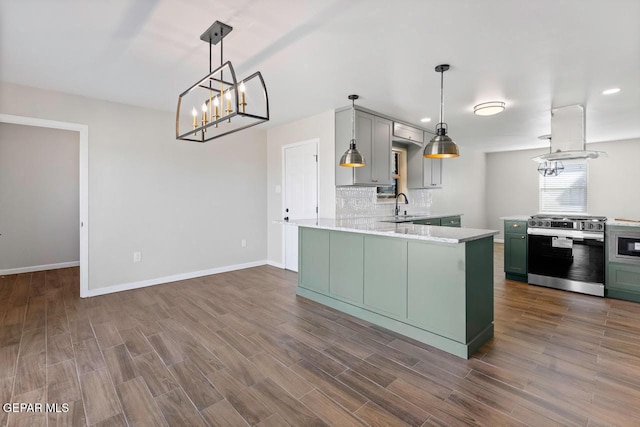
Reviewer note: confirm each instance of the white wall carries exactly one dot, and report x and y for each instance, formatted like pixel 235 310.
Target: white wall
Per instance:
pixel 463 188
pixel 185 206
pixel 39 197
pixel 512 182
pixel 322 127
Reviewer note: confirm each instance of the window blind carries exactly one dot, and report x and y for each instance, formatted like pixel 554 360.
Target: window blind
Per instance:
pixel 566 192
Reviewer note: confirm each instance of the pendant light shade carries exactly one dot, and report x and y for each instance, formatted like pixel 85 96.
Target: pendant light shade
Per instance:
pixel 352 157
pixel 441 146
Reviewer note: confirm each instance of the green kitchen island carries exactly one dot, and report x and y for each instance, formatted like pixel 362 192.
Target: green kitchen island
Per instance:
pixel 432 284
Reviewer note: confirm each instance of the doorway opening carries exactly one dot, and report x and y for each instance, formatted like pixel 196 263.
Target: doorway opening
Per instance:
pixel 83 208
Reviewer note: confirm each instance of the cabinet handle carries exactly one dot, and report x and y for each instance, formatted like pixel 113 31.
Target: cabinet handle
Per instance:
pixel 516 225
pixel 522 237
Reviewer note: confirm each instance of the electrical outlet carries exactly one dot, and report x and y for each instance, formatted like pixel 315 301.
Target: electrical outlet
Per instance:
pixel 243 243
pixel 137 256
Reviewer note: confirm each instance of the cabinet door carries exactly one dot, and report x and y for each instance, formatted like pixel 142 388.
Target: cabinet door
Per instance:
pixel 346 266
pixel 432 173
pixel 385 275
pixel 436 288
pixel 364 143
pixel 313 259
pixel 450 221
pixel 381 171
pixel 515 253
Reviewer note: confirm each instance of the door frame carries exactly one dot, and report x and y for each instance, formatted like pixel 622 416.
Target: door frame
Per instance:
pixel 315 141
pixel 83 131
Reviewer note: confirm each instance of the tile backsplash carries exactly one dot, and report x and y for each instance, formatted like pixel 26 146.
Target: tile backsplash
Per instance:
pixel 353 202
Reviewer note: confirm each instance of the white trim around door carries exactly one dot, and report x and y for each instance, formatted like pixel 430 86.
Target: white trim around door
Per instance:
pixel 83 131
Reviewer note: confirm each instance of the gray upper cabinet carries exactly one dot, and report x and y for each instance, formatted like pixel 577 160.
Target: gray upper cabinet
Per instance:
pixel 421 172
pixel 407 133
pixel 373 140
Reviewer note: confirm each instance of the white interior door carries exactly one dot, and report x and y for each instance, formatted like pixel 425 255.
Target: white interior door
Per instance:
pixel 300 194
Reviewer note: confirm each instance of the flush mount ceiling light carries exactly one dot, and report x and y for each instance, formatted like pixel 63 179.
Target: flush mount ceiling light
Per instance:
pixel 426 120
pixel 488 108
pixel 352 157
pixel 219 104
pixel 611 91
pixel 441 146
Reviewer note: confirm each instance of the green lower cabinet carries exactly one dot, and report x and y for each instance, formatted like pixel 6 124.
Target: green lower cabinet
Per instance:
pixel 450 221
pixel 313 259
pixel 515 250
pixel 623 281
pixel 385 275
pixel 435 221
pixel 346 261
pixel 436 289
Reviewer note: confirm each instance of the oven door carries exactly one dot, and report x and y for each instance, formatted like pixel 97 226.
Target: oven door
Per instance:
pixel 579 259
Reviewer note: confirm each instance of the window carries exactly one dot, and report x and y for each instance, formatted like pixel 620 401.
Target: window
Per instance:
pixel 566 192
pixel 398 176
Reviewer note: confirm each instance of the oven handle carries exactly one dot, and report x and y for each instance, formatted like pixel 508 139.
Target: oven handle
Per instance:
pixel 574 234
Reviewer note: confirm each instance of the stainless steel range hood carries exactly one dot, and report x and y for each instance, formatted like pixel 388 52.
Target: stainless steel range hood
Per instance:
pixel 568 136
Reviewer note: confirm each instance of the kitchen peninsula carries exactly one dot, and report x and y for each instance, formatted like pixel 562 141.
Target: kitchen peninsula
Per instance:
pixel 433 284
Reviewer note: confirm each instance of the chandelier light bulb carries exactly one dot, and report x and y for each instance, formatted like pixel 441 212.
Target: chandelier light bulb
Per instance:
pixel 242 88
pixel 228 95
pixel 215 101
pixel 194 112
pixel 204 107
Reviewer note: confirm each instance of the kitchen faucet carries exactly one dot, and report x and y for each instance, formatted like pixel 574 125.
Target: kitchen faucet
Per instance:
pixel 406 202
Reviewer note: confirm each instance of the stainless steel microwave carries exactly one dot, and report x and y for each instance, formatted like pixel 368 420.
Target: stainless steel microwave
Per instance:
pixel 624 246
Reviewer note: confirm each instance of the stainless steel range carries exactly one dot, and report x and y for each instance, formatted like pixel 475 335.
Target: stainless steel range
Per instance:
pixel 567 252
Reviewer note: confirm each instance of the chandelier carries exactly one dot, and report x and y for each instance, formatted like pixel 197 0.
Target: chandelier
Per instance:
pixel 219 104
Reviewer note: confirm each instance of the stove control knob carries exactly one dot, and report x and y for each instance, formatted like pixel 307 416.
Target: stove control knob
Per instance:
pixel 600 226
pixel 590 226
pixel 532 223
pixel 547 223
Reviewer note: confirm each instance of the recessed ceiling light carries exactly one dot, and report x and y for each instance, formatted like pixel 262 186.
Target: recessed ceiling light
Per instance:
pixel 611 91
pixel 425 119
pixel 489 108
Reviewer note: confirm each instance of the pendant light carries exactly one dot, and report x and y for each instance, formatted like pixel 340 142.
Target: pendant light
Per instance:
pixel 352 157
pixel 441 146
pixel 550 167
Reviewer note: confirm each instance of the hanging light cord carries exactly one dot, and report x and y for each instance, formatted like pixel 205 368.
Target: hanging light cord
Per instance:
pixel 441 96
pixel 353 122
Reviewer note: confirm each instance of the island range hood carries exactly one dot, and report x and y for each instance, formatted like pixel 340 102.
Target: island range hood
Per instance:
pixel 568 136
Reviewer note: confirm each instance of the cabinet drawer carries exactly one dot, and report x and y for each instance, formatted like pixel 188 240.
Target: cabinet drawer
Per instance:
pixel 407 132
pixel 450 221
pixel 435 221
pixel 516 227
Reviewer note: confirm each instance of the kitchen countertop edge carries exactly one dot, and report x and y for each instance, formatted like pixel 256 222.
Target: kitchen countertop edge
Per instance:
pixel 429 233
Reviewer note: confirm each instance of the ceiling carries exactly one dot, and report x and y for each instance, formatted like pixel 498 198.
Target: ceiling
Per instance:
pixel 533 55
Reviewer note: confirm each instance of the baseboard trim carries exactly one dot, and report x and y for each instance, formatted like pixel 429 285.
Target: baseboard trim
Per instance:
pixel 168 279
pixel 43 267
pixel 276 264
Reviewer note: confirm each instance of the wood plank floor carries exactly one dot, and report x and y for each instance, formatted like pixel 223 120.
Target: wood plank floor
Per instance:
pixel 240 348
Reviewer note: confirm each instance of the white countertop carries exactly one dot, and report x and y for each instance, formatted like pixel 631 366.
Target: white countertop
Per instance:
pixel 373 226
pixel 515 217
pixel 623 223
